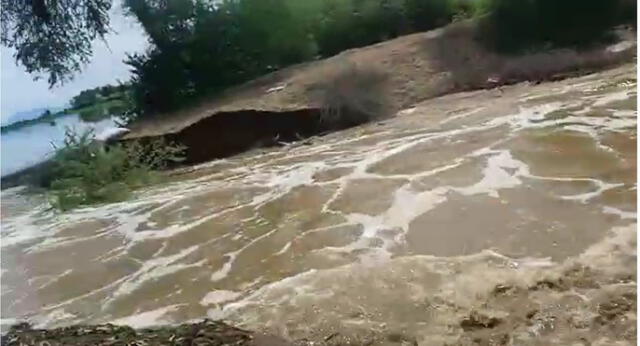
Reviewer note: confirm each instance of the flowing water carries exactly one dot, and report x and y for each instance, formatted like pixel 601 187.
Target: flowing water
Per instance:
pixel 457 216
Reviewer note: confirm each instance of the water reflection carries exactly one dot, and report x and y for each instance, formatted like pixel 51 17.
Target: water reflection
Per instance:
pixel 33 144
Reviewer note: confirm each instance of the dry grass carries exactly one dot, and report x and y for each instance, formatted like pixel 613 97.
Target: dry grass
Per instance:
pixel 558 64
pixel 352 94
pixel 470 66
pixel 418 66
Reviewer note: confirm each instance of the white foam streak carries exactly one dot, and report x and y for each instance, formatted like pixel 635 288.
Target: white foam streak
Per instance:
pixel 152 269
pixel 219 296
pixel 496 176
pixel 148 318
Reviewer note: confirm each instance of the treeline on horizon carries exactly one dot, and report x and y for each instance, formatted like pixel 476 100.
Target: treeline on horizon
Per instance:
pixel 91 105
pixel 198 48
pixel 107 92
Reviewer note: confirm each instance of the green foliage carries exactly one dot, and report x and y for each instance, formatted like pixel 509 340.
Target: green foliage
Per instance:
pixel 53 37
pixel 348 24
pixel 514 25
pixel 90 97
pixel 45 117
pixel 91 105
pixel 429 14
pixel 84 171
pixel 101 110
pixel 198 49
pixel 101 102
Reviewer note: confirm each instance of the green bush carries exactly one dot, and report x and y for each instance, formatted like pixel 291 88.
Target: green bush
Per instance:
pixel 516 25
pixel 201 50
pixel 84 171
pixel 345 24
pixel 627 12
pixel 430 14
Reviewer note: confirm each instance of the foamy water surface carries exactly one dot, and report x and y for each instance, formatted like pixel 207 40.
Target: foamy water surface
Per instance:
pixel 404 225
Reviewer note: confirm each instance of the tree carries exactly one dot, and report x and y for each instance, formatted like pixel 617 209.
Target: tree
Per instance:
pixel 53 37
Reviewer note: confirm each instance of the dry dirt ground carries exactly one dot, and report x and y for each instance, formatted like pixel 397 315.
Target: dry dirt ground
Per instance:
pixel 420 66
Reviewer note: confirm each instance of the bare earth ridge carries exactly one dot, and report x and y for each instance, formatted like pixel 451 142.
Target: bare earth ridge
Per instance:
pixel 487 217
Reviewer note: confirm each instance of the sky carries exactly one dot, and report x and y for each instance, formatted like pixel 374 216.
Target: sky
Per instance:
pixel 19 92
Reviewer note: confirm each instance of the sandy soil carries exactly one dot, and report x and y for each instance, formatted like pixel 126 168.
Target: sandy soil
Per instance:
pixel 420 66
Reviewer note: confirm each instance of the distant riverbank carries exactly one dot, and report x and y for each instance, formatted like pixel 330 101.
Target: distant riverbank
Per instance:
pixel 33 142
pixel 93 113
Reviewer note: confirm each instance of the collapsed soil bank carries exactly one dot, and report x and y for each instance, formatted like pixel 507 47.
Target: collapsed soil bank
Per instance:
pixel 280 107
pixel 277 108
pixel 420 66
pixel 230 133
pixel 223 135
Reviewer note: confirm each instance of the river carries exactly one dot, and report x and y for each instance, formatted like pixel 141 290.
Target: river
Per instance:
pixel 467 205
pixel 33 144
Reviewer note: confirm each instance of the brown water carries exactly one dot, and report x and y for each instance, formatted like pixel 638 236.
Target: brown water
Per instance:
pixel 402 228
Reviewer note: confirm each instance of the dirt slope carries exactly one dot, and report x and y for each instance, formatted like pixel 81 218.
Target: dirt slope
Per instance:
pixel 421 66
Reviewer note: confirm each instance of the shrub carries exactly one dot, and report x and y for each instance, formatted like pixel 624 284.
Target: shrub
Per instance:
pixel 84 171
pixel 429 14
pixel 206 49
pixel 514 25
pixel 345 24
pixel 198 49
pixel 627 12
pixel 553 64
pixel 351 95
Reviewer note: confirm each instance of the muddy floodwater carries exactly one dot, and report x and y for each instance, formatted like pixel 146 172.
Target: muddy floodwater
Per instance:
pixel 500 215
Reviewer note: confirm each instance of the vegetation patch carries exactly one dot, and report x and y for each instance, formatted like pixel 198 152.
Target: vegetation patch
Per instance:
pixel 86 171
pixel 352 95
pixel 91 105
pixel 101 102
pixel 44 118
pixel 200 50
pixel 102 110
pixel 513 26
pixel 197 49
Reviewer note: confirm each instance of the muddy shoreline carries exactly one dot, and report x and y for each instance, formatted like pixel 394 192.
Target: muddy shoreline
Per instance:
pixel 202 333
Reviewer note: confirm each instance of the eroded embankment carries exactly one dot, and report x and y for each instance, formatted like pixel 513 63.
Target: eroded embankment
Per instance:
pixel 278 107
pixel 222 132
pixel 219 136
pixel 420 66
pixel 229 133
